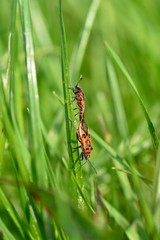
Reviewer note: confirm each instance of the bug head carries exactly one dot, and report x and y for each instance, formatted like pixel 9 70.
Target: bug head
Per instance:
pixel 77 89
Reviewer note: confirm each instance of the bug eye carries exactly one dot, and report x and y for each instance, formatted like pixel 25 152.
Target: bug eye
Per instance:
pixel 84 135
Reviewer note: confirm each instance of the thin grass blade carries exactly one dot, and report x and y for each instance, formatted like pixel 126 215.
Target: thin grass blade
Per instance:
pixel 36 142
pixel 71 136
pixel 80 48
pixel 65 83
pixel 119 63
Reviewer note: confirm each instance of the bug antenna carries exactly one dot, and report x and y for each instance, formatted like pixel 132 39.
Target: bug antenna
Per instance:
pixel 80 78
pixel 92 167
pixel 81 165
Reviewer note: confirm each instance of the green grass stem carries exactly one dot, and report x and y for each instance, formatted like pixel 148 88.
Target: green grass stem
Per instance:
pixel 71 136
pixel 65 83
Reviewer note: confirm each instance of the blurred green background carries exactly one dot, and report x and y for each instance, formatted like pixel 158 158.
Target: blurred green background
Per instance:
pixel 132 28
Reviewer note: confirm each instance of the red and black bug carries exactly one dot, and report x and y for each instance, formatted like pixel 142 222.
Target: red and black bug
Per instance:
pixel 84 138
pixel 79 97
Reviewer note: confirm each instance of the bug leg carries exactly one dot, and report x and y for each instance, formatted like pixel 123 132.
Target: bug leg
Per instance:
pixel 73 99
pixel 76 114
pixel 81 156
pixel 78 137
pixel 75 148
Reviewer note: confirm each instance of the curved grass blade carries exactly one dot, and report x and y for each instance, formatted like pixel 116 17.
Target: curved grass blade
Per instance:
pixel 80 48
pixel 36 142
pixel 118 61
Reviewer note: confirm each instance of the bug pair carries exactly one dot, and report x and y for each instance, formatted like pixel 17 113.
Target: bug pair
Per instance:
pixel 83 134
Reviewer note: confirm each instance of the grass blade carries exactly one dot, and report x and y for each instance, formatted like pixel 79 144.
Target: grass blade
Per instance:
pixel 71 136
pixel 80 49
pixel 69 112
pixel 118 61
pixel 36 143
pixel 65 83
pixel 143 205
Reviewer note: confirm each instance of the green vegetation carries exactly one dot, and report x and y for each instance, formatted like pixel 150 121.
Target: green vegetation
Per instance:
pixel 45 193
